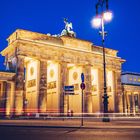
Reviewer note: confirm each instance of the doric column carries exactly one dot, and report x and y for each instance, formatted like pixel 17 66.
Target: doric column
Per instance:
pixel 87 91
pixel 113 91
pixel 118 94
pixel 20 73
pixel 3 98
pixel 101 88
pixel 127 103
pixel 133 103
pixel 139 102
pixel 12 93
pixel 8 97
pixel 124 99
pixel 19 86
pixel 63 77
pixel 42 97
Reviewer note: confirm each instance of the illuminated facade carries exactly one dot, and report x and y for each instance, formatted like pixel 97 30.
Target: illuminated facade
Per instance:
pixel 41 65
pixel 131 92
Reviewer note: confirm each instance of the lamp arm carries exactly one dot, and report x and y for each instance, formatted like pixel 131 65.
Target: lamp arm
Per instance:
pixel 107 6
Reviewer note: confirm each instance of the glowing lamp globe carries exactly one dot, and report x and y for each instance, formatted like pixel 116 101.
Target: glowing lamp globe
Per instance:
pixel 96 22
pixel 108 16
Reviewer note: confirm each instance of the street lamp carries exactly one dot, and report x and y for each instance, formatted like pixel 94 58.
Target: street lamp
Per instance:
pixel 98 22
pixel 107 16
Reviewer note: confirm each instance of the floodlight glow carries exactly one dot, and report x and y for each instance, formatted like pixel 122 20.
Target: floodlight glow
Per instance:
pixel 96 22
pixel 108 16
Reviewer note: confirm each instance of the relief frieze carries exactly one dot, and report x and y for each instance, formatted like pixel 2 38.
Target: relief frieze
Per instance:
pixel 51 85
pixel 31 83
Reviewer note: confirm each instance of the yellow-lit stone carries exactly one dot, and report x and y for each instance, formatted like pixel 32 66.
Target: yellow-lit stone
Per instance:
pixel 54 62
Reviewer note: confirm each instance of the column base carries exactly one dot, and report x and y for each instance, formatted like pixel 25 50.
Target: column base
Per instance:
pixel 106 119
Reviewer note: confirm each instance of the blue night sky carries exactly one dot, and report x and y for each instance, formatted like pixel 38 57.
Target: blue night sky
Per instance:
pixel 46 16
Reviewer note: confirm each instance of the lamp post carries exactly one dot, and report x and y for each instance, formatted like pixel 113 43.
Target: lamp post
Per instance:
pixel 98 22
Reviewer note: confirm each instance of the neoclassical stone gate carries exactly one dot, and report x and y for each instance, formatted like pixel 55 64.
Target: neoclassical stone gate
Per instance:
pixel 44 64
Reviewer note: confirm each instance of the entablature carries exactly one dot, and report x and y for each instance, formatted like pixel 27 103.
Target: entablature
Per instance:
pixel 59 41
pixel 37 51
pixel 131 88
pixel 70 50
pixel 6 76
